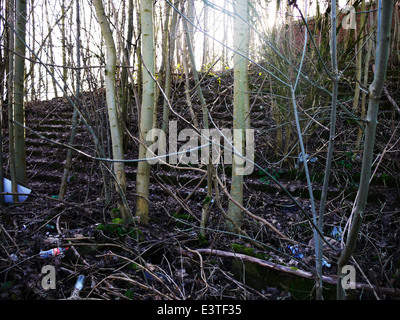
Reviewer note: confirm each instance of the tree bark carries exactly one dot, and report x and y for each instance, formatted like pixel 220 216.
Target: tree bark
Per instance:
pixel 19 79
pixel 240 107
pixel 124 73
pixel 207 200
pixel 168 72
pixel 68 161
pixel 146 113
pixel 115 129
pixel 329 157
pixel 375 92
pixel 10 79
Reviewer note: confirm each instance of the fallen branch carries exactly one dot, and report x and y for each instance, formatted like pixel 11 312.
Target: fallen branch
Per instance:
pixel 290 270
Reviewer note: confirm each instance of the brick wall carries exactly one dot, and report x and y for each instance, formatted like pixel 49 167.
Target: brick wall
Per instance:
pixel 343 34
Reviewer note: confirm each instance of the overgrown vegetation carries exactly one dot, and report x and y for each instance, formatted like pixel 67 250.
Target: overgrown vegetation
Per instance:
pixel 186 245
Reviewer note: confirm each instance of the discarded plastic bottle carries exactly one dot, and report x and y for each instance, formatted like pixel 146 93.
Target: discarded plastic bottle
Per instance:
pixel 78 287
pixel 79 282
pixel 296 252
pixel 52 252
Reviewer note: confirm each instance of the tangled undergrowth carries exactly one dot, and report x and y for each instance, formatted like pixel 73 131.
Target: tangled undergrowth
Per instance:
pixel 166 260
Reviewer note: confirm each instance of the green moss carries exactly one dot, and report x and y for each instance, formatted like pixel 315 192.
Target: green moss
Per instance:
pixel 238 248
pixel 202 240
pixel 206 200
pixel 115 213
pixel 118 221
pixel 120 228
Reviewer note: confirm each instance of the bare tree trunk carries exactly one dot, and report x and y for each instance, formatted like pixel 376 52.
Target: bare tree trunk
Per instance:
pixel 375 92
pixel 115 129
pixel 11 142
pixel 164 56
pixel 207 201
pixel 33 46
pixel 19 108
pixel 64 46
pixel 168 71
pixel 329 157
pixel 3 103
pixel 139 55
pixel 68 161
pixel 187 85
pixel 205 37
pixel 50 47
pixel 359 48
pixel 365 84
pixel 124 96
pixel 240 107
pixel 146 114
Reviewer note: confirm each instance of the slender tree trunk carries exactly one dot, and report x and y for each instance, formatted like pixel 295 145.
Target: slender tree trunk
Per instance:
pixel 375 92
pixel 115 129
pixel 19 110
pixel 50 47
pixel 164 60
pixel 164 43
pixel 189 27
pixel 205 37
pixel 64 46
pixel 168 71
pixel 146 114
pixel 188 32
pixel 11 142
pixel 329 157
pixel 33 46
pixel 207 201
pixel 139 54
pixel 124 96
pixel 359 59
pixel 3 103
pixel 68 161
pixel 224 40
pixel 365 84
pixel 187 85
pixel 241 103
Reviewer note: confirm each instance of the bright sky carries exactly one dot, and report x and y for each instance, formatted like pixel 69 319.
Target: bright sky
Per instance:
pixel 266 9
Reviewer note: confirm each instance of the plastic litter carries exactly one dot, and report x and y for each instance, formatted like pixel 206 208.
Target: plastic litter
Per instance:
pixel 14 257
pixel 79 282
pixel 308 159
pixel 8 198
pixel 52 252
pixel 78 287
pixel 325 263
pixel 337 233
pixel 296 252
